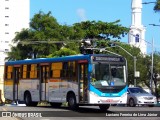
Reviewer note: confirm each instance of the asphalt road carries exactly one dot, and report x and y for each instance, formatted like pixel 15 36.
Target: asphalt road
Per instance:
pixel 83 113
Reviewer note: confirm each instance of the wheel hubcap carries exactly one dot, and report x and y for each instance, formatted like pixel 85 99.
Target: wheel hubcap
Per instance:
pixel 131 102
pixel 71 101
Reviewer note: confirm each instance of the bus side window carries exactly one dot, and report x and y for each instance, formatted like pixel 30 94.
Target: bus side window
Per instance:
pixel 51 73
pixel 75 73
pixel 51 70
pixel 33 71
pixel 8 72
pixel 56 70
pixel 24 71
pixel 62 73
pixel 65 69
pixel 28 71
pixel 38 70
pixel 69 70
pixel 73 69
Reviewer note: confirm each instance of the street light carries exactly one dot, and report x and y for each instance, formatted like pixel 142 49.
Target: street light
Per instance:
pixel 152 60
pixel 134 59
pixel 148 2
pixel 151 79
pixel 152 45
pixel 154 25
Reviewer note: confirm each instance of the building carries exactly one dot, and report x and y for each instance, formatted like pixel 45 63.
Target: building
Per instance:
pixel 15 15
pixel 137 30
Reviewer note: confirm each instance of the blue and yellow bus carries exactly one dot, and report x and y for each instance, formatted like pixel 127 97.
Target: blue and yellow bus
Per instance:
pixel 97 79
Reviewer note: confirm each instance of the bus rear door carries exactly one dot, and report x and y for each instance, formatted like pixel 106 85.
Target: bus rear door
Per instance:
pixel 43 81
pixel 83 81
pixel 16 76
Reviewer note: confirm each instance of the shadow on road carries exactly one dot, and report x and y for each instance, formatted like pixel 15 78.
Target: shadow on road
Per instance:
pixel 80 112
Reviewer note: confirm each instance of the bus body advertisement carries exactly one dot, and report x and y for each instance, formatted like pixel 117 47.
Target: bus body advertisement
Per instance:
pixel 96 79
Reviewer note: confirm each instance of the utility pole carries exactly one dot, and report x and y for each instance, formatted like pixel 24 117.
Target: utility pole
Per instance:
pixel 135 81
pixel 151 80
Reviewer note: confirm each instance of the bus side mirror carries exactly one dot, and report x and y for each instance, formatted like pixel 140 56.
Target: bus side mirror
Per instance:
pixel 90 68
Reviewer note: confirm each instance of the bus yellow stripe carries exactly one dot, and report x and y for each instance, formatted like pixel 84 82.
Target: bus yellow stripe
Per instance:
pixel 8 82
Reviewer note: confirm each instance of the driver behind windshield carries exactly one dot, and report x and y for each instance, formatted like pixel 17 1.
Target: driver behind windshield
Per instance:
pixel 106 74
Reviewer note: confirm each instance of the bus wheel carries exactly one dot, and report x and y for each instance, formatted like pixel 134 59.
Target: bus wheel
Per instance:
pixel 104 107
pixel 56 105
pixel 28 99
pixel 71 99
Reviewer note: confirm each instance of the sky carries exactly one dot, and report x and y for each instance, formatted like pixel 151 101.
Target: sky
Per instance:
pixel 73 11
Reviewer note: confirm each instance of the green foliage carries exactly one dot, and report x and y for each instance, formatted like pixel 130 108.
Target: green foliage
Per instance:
pixel 156 62
pixel 157 6
pixel 62 52
pixel 101 30
pixel 158 91
pixel 46 35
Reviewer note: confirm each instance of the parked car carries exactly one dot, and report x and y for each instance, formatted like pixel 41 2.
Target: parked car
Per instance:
pixel 138 96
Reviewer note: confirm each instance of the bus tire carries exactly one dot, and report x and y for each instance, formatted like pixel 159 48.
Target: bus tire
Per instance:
pixel 28 99
pixel 55 105
pixel 104 108
pixel 71 99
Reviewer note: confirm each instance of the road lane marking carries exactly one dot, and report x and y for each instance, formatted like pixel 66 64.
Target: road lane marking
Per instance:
pixel 4 109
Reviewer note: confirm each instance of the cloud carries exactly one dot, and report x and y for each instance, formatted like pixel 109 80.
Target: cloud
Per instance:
pixel 82 14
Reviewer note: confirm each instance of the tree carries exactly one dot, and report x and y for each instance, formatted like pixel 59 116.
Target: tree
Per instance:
pixel 46 35
pixel 156 71
pixel 62 52
pixel 101 30
pixel 37 41
pixel 157 6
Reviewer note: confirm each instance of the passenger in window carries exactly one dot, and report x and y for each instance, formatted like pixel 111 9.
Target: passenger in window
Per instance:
pixel 106 74
pixel 113 72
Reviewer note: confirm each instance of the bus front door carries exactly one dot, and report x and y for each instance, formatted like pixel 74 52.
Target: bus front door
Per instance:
pixel 43 82
pixel 16 72
pixel 83 83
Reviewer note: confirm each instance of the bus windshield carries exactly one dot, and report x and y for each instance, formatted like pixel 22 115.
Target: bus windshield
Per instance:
pixel 108 75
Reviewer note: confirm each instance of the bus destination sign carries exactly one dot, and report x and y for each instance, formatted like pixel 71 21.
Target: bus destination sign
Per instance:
pixel 107 59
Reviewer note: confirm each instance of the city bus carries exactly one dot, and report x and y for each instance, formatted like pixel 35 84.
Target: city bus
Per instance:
pixel 76 80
